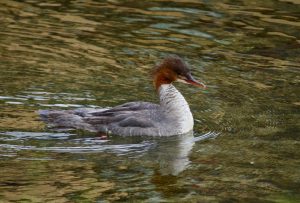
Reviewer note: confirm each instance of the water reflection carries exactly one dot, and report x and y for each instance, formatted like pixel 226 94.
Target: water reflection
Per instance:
pixel 170 153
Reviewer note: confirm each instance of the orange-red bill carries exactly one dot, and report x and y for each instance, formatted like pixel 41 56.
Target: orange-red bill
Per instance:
pixel 194 82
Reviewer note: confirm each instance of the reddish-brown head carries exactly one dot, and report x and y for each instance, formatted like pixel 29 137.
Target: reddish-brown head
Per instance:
pixel 174 69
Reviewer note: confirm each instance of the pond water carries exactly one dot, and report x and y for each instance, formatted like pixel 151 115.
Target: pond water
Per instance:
pixel 70 54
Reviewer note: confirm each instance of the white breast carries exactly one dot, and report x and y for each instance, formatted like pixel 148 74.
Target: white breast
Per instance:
pixel 176 109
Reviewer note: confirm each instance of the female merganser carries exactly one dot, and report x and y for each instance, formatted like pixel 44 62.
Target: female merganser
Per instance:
pixel 171 117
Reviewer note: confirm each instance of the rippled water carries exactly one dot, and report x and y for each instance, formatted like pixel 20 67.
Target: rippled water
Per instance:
pixel 71 54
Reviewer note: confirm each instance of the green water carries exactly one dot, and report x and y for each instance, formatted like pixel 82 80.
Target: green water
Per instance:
pixel 70 54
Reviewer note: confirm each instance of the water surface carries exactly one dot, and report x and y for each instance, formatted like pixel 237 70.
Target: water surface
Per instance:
pixel 62 55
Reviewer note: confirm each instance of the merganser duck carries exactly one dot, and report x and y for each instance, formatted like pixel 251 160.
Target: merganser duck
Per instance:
pixel 172 116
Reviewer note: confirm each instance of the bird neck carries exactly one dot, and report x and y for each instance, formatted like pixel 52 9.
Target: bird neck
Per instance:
pixel 163 76
pixel 174 105
pixel 175 108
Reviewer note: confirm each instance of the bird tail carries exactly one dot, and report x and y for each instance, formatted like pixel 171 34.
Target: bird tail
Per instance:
pixel 64 120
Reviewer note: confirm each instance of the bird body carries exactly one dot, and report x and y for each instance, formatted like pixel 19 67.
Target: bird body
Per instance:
pixel 172 116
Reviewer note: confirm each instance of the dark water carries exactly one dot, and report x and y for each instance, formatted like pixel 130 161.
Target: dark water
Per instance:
pixel 99 53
